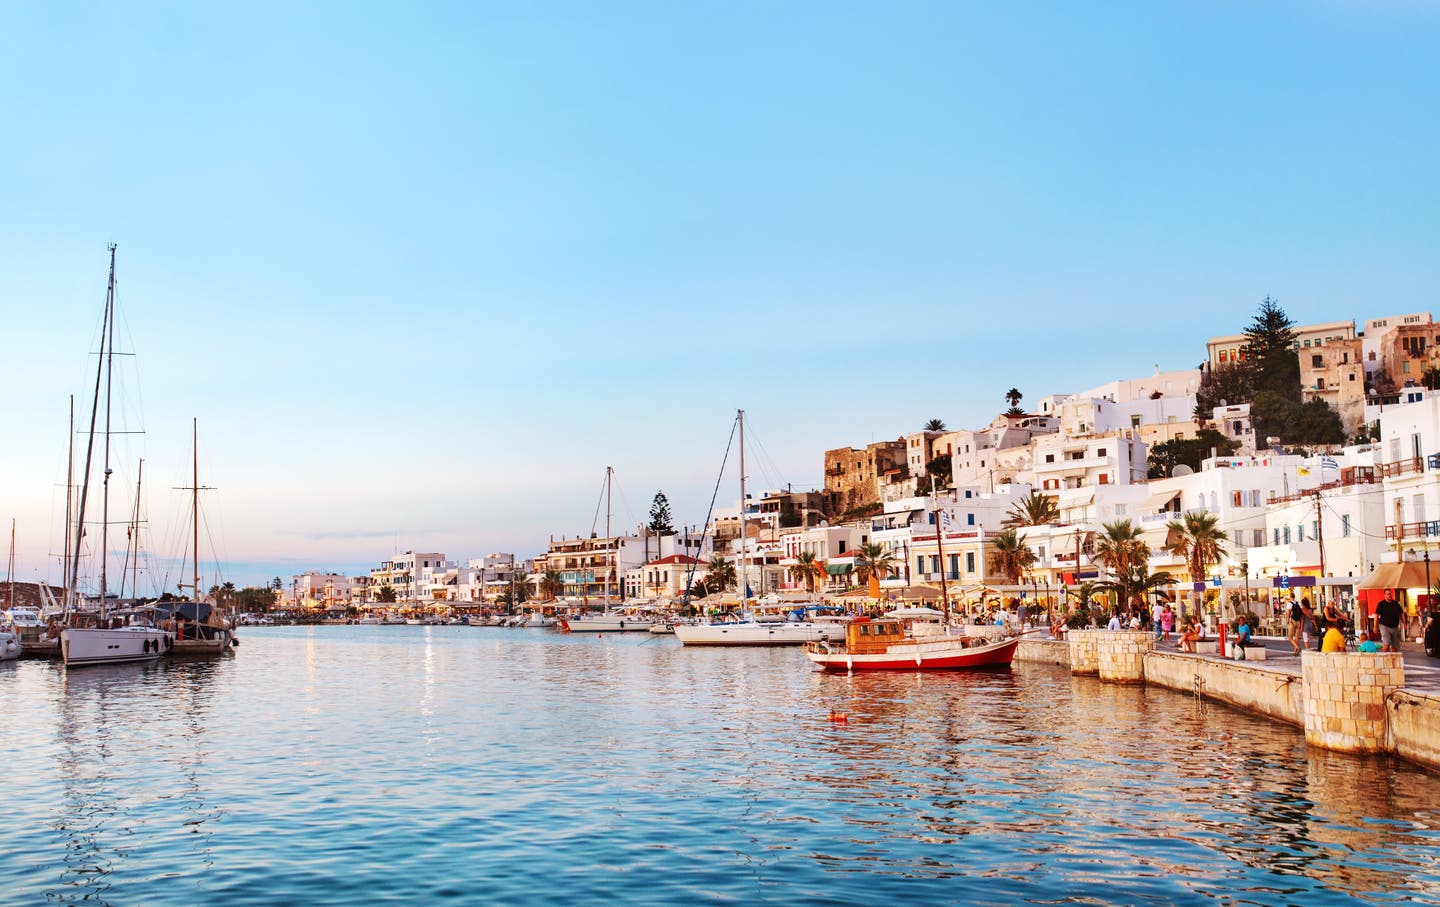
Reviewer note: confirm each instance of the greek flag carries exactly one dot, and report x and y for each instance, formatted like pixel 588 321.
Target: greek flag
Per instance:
pixel 1328 463
pixel 945 519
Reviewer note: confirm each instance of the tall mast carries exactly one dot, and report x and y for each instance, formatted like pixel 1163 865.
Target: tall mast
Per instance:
pixel 105 485
pixel 195 500
pixel 609 543
pixel 69 504
pixel 10 570
pixel 135 537
pixel 90 444
pixel 744 586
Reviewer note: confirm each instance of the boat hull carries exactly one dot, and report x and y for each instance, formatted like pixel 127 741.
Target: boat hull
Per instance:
pixel 946 654
pixel 9 646
pixel 86 646
pixel 610 624
pixel 757 634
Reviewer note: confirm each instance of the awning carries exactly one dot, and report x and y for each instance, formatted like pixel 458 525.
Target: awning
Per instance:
pixel 1159 501
pixel 1157 537
pixel 897 518
pixel 838 569
pixel 1406 575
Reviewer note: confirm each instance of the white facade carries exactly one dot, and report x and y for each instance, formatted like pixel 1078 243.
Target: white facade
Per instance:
pixel 1371 347
pixel 1064 462
pixel 408 574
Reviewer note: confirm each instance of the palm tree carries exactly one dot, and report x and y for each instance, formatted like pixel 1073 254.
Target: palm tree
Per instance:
pixel 808 568
pixel 1198 539
pixel 552 584
pixel 874 558
pixel 1014 397
pixel 720 574
pixel 1010 556
pixel 935 425
pixel 1035 509
pixel 1122 550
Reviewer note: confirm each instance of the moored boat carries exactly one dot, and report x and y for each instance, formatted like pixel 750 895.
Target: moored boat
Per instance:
pixel 754 633
pixel 94 646
pixel 884 645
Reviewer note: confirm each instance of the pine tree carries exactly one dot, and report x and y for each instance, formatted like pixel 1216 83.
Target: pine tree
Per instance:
pixel 660 523
pixel 1270 349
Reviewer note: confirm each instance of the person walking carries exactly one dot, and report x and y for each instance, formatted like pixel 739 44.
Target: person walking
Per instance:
pixel 1167 622
pixel 1388 615
pixel 1157 619
pixel 1297 622
pixel 1309 625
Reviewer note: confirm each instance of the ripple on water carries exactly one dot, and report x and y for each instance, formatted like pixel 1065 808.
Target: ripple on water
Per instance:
pixel 420 764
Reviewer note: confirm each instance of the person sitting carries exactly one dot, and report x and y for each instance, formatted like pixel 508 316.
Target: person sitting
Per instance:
pixel 1334 640
pixel 1188 638
pixel 1242 639
pixel 1367 643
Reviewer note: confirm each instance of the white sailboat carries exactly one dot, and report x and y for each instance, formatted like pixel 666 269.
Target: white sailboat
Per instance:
pixel 107 642
pixel 746 631
pixel 611 619
pixel 10 636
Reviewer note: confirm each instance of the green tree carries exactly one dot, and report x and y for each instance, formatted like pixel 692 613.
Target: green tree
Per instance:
pixel 1035 509
pixel 1226 384
pixel 1014 396
pixel 552 584
pixel 660 523
pixel 1010 556
pixel 874 558
pixel 385 593
pixel 808 569
pixel 1270 348
pixel 1315 422
pixel 1122 550
pixel 937 475
pixel 719 574
pixel 1271 415
pixel 1165 456
pixel 935 425
pixel 1198 539
pixel 276 584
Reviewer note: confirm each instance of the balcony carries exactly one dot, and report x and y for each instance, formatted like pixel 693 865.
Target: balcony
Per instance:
pixel 1428 529
pixel 1407 466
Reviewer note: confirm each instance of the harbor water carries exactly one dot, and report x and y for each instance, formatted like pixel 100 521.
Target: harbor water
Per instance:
pixel 362 765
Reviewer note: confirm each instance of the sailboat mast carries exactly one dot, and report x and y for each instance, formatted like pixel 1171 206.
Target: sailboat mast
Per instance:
pixel 69 503
pixel 109 385
pixel 609 543
pixel 90 444
pixel 135 535
pixel 10 570
pixel 744 586
pixel 195 498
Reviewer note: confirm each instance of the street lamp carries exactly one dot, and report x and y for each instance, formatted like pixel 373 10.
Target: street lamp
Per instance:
pixel 1245 566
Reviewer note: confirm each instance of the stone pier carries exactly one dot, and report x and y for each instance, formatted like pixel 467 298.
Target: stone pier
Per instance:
pixel 1121 654
pixel 1345 695
pixel 1084 651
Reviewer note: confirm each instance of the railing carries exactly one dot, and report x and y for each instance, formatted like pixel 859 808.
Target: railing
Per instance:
pixel 1401 467
pixel 1428 528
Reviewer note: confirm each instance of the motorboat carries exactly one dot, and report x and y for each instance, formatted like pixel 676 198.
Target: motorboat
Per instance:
pixel 759 633
pixel 10 646
pixel 113 645
pixel 371 621
pixel 897 644
pixel 609 622
pixel 539 619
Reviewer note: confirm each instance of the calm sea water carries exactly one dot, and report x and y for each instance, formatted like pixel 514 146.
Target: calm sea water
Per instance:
pixel 359 765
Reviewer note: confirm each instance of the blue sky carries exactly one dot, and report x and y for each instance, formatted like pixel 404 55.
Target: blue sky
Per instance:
pixel 423 270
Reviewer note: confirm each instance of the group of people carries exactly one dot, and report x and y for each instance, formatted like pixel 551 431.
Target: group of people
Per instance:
pixel 1327 629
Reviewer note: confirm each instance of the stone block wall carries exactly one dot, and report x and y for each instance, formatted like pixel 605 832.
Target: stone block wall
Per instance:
pixel 1043 651
pixel 1345 694
pixel 1415 726
pixel 1120 654
pixel 1084 651
pixel 1273 693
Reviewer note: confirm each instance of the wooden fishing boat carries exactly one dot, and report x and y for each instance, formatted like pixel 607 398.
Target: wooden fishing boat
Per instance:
pixel 884 645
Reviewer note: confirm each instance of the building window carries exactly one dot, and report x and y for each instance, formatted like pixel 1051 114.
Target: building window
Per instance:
pixel 919 564
pixel 1287 535
pixel 1345 525
pixel 969 562
pixel 954 566
pixel 970 519
pixel 1300 532
pixel 1277 536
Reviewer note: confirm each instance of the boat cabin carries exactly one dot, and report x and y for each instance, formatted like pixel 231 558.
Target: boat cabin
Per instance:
pixel 873 636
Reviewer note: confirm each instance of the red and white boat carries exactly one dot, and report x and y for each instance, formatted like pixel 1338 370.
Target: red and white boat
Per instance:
pixel 884 645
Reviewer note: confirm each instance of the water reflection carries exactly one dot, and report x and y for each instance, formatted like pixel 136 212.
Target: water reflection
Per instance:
pixel 372 763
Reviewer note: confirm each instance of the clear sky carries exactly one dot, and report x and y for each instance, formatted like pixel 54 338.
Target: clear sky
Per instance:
pixel 423 270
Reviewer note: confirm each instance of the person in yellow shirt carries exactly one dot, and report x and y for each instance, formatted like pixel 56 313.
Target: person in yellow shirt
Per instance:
pixel 1334 640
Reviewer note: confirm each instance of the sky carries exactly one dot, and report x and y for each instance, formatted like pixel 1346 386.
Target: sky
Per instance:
pixel 421 271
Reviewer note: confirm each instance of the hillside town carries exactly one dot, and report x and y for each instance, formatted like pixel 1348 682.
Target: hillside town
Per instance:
pixel 1293 457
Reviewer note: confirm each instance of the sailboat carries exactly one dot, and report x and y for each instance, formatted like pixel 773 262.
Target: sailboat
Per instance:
pixel 748 631
pixel 611 619
pixel 199 629
pixel 109 641
pixel 10 636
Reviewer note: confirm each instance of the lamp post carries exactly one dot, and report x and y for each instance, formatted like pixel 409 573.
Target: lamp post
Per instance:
pixel 1245 567
pixel 1427 579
